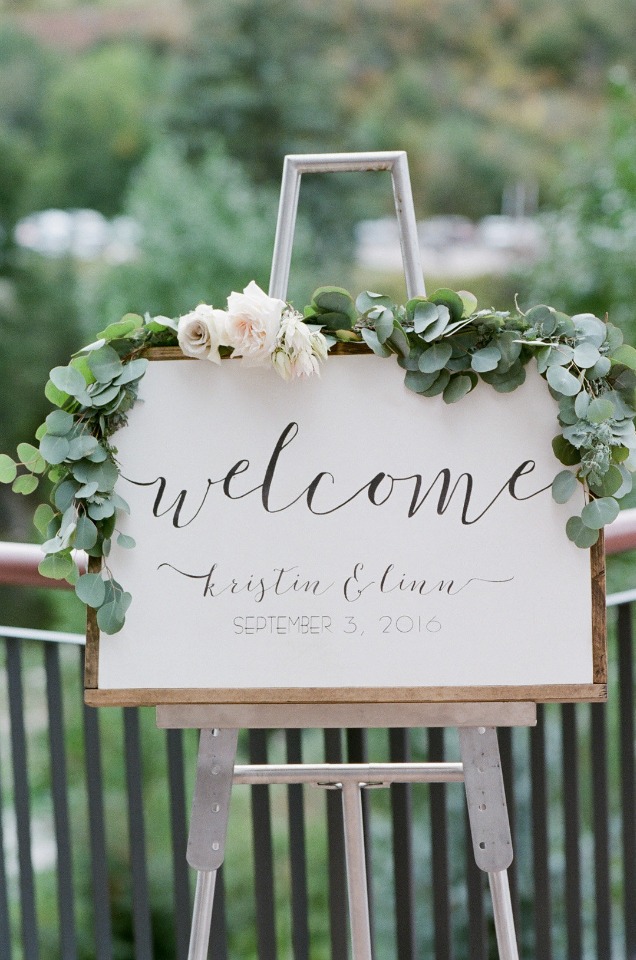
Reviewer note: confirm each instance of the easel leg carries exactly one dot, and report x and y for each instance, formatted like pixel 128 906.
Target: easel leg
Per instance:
pixel 489 826
pixel 502 909
pixel 208 828
pixel 356 871
pixel 202 915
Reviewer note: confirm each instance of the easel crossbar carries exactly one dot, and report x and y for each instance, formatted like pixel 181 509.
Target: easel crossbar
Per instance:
pixel 364 774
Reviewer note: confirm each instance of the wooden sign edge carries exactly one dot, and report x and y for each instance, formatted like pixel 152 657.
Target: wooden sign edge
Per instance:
pixel 568 693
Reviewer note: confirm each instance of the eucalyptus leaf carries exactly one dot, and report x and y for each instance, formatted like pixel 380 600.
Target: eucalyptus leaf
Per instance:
pixel 486 359
pixel 132 371
pixel 600 409
pixel 590 327
pixel 580 534
pixel 469 301
pixel 125 541
pixel 563 486
pixel 122 328
pixel 56 566
pixel 85 533
pixel 54 449
pixel 600 369
pixel 458 386
pixel 437 329
pixel 81 447
pixel 625 355
pixel 435 358
pixel 424 315
pixel 439 384
pixel 100 511
pixel 563 381
pixel 25 484
pixel 371 340
pixel 8 469
pixel 42 518
pixel 68 380
pixel 105 364
pixel 54 395
pixel 64 495
pixel 418 382
pixel 598 513
pixel 610 484
pixel 565 453
pixel 586 355
pixel 384 325
pixel 91 590
pixel 59 423
pixel 581 405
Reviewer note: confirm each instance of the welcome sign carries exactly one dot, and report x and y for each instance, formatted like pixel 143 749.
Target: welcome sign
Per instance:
pixel 341 539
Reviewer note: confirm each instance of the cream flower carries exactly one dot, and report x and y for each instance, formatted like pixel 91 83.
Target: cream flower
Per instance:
pixel 253 322
pixel 299 349
pixel 202 331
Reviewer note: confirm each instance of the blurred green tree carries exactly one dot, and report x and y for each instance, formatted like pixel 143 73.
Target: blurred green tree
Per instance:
pixel 590 257
pixel 271 78
pixel 205 231
pixel 98 122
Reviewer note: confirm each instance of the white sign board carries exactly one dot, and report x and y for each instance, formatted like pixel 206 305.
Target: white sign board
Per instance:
pixel 343 539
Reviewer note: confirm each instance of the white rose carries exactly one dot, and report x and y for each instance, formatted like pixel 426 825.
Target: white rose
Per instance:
pixel 202 331
pixel 253 322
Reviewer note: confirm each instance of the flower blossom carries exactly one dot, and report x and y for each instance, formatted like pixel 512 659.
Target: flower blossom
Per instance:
pixel 299 348
pixel 201 332
pixel 253 324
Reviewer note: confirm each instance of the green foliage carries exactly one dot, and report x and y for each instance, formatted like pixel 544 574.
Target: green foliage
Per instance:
pixel 204 229
pixel 96 129
pixel 591 241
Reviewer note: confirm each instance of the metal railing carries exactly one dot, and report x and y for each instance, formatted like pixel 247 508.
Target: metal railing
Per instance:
pixel 95 807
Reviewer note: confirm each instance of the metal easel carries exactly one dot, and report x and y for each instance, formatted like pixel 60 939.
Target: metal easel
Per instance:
pixel 480 766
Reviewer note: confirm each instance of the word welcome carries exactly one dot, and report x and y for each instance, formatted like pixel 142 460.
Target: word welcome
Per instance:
pixel 322 498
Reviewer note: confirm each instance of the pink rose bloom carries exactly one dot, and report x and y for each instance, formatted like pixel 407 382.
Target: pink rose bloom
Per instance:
pixel 253 322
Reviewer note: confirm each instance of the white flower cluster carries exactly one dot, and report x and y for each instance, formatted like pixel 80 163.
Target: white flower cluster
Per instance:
pixel 260 329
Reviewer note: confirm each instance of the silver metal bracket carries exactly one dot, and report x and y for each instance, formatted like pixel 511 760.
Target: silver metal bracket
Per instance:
pixel 486 799
pixel 211 801
pixel 297 164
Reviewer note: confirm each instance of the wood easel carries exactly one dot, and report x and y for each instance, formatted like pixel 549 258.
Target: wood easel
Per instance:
pixel 479 769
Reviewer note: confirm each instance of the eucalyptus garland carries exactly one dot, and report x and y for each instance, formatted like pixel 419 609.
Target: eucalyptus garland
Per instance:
pixel 445 346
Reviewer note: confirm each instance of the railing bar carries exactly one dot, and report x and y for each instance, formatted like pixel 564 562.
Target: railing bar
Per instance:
pixel 59 780
pixel 439 842
pixel 540 848
pixel 47 636
pixel 572 827
pixel 628 774
pixel 142 926
pixel 338 919
pixel 505 737
pixel 97 833
pixel 218 927
pixel 22 801
pixel 5 922
pixel 179 836
pixel 358 752
pixel 263 854
pixel 297 854
pixel 622 599
pixel 402 826
pixel 600 806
